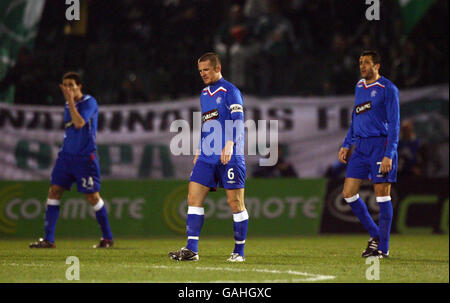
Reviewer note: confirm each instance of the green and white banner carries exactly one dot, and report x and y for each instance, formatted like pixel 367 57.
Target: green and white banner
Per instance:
pixel 412 11
pixel 142 208
pixel 19 20
pixel 134 141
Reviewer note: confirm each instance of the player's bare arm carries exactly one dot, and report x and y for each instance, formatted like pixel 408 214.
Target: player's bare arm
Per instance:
pixel 342 156
pixel 227 152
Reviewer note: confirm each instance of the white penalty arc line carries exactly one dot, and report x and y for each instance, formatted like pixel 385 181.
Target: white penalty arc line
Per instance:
pixel 308 277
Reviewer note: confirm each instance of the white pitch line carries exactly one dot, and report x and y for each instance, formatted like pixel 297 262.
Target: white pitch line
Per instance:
pixel 308 276
pixel 25 264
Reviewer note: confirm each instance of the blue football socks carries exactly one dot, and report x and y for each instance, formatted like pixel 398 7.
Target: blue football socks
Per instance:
pixel 51 217
pixel 240 226
pixel 359 208
pixel 194 224
pixel 102 219
pixel 386 214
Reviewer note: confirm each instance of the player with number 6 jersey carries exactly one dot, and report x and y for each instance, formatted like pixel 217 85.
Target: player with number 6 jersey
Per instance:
pixel 219 160
pixel 77 162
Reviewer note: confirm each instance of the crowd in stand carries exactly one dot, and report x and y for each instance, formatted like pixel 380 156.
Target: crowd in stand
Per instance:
pixel 138 51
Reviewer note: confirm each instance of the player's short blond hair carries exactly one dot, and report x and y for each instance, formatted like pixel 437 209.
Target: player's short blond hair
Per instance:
pixel 212 57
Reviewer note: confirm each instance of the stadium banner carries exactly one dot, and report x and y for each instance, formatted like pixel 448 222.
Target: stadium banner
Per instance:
pixel 421 205
pixel 412 11
pixel 19 21
pixel 134 141
pixel 158 208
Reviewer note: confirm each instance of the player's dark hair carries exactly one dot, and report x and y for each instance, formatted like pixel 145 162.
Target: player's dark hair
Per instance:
pixel 376 58
pixel 212 57
pixel 74 76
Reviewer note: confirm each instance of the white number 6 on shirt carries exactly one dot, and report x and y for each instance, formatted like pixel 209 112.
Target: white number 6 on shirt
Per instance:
pixel 230 174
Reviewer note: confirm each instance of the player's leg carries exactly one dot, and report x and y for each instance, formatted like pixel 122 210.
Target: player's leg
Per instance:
pixel 195 214
pixel 232 178
pixel 235 199
pixel 382 187
pixel 101 214
pixel 202 180
pixel 359 208
pixel 61 180
pixel 52 211
pixel 51 217
pixel 87 173
pixel 194 222
pixel 358 169
pixel 383 194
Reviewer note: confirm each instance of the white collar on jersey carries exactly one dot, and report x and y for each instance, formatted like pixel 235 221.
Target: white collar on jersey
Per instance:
pixel 363 82
pixel 220 88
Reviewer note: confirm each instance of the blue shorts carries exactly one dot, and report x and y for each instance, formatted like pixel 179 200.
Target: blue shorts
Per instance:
pixel 230 176
pixel 365 162
pixel 84 170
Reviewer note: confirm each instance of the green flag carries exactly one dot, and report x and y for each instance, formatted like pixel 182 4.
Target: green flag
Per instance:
pixel 412 11
pixel 19 20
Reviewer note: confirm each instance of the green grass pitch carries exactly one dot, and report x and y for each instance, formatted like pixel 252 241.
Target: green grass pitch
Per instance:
pixel 302 259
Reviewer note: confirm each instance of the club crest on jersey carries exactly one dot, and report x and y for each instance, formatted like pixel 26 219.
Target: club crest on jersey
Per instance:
pixel 218 100
pixel 211 115
pixel 373 93
pixel 363 107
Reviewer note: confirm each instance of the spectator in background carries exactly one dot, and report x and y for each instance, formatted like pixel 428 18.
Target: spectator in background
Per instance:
pixel 408 65
pixel 277 45
pixel 29 87
pixel 342 63
pixel 283 169
pixel 254 9
pixel 132 90
pixel 233 43
pixel 410 158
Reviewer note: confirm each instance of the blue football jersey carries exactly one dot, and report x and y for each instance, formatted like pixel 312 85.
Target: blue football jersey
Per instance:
pixel 376 113
pixel 221 104
pixel 81 141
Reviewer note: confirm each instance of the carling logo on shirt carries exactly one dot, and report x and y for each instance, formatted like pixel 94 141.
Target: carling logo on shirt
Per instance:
pixel 363 107
pixel 212 114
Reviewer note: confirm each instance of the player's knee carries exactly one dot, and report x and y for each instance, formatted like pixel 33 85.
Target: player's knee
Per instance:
pixel 194 200
pixel 92 198
pixel 55 192
pixel 236 204
pixel 348 194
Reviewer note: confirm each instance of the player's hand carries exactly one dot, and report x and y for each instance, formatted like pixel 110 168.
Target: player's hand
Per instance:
pixel 342 156
pixel 386 165
pixel 69 94
pixel 227 152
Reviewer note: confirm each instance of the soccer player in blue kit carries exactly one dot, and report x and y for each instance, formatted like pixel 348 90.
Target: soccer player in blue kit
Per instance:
pixel 374 131
pixel 222 164
pixel 77 162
